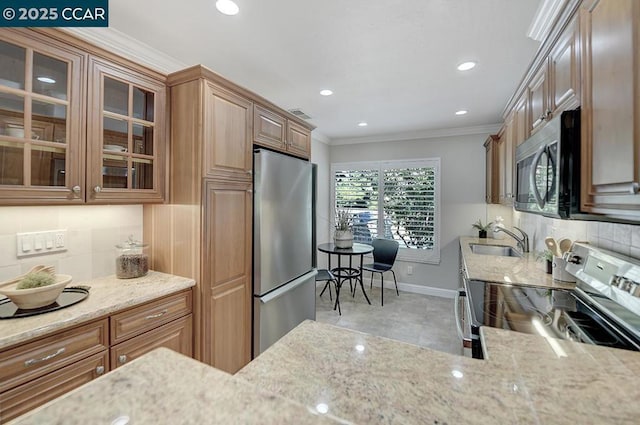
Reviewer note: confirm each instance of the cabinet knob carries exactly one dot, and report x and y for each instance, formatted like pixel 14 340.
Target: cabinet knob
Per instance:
pixel 249 191
pixel 76 189
pixel 122 359
pixel 99 370
pixel 634 188
pixel 97 189
pixel 250 172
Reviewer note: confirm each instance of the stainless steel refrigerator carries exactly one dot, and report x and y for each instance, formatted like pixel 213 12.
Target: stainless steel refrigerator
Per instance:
pixel 283 237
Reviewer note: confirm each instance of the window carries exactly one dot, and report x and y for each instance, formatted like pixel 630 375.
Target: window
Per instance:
pixel 394 200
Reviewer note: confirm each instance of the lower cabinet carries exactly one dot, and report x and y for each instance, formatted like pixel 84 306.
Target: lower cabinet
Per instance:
pixel 37 371
pixel 177 336
pixel 23 398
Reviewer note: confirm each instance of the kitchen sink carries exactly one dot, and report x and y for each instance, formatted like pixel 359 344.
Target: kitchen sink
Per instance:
pixel 500 250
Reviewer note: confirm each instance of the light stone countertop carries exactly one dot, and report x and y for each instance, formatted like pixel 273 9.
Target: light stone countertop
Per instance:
pixel 366 379
pixel 164 387
pixel 107 295
pixel 583 383
pixel 524 271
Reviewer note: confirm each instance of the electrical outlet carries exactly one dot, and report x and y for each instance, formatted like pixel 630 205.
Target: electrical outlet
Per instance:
pixel 38 243
pixel 409 270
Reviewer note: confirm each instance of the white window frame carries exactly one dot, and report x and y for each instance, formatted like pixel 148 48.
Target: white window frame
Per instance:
pixel 431 256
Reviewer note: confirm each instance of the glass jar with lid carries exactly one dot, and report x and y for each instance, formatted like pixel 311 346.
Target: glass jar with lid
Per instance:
pixel 132 259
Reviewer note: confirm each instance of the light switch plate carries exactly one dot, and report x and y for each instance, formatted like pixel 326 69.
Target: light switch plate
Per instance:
pixel 40 243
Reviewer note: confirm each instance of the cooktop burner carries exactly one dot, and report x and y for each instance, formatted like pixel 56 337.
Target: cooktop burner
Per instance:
pixel 604 309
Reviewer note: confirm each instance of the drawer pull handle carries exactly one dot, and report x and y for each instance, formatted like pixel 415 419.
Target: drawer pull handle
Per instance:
pixel 122 359
pixel 99 370
pixel 31 362
pixel 155 316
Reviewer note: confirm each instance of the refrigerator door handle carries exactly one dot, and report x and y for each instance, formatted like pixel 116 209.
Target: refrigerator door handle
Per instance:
pixel 288 287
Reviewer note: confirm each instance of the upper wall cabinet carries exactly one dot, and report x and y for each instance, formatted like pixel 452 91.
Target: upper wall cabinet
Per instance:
pixel 125 143
pixel 42 91
pixel 611 108
pixel 274 131
pixel 76 127
pixel 492 190
pixel 564 70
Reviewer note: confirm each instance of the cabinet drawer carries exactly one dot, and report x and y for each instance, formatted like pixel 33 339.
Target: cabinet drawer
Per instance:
pixel 21 399
pixel 148 316
pixel 177 336
pixel 32 360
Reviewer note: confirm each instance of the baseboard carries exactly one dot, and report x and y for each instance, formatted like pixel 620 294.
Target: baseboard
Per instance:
pixel 416 289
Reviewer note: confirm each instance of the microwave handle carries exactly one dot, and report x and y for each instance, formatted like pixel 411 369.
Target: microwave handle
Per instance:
pixel 532 177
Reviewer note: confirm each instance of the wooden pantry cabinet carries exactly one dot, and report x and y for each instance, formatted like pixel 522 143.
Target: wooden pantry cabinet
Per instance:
pixel 611 108
pixel 206 231
pixel 35 372
pixel 77 123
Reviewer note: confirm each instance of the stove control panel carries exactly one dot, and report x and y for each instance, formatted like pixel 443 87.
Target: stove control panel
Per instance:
pixel 626 285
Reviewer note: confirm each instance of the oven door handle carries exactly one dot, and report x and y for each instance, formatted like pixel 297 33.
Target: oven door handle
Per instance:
pixel 466 342
pixel 532 177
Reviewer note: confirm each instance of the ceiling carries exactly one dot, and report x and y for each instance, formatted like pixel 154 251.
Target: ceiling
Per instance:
pixel 391 63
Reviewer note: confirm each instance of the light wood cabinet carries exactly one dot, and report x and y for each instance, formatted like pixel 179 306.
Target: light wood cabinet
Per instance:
pixel 176 335
pixel 35 372
pixel 505 163
pixel 125 135
pixel 206 231
pixel 276 132
pixel 77 124
pixel 227 276
pixel 298 139
pixel 564 70
pixel 492 192
pixel 538 97
pixel 611 108
pixel 21 399
pixel 228 120
pixel 42 87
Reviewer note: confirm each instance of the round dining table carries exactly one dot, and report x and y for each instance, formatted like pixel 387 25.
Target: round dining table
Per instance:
pixel 346 269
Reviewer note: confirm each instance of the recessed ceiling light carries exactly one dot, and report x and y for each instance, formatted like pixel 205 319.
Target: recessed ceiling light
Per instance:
pixel 461 112
pixel 227 7
pixel 326 92
pixel 362 124
pixel 47 80
pixel 465 66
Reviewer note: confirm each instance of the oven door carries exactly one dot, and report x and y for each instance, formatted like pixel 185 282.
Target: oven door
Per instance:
pixel 463 321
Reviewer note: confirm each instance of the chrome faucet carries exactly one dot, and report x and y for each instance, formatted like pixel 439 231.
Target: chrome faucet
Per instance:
pixel 523 242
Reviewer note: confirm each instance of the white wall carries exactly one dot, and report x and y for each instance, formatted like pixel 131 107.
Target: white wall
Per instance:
pixel 462 195
pixel 320 157
pixel 92 233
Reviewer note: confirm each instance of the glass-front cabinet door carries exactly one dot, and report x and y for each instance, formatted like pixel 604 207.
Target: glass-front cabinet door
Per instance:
pixel 125 135
pixel 41 124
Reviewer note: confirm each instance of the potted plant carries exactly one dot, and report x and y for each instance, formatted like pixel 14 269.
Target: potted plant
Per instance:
pixel 482 228
pixel 547 257
pixel 343 236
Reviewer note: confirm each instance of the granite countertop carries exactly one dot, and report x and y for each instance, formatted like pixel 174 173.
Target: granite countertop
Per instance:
pixel 524 271
pixel 319 373
pixel 163 387
pixel 107 295
pixel 371 380
pixel 582 383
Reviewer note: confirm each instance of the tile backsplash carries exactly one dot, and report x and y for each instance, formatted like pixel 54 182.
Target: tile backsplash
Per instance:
pixel 92 233
pixel 621 238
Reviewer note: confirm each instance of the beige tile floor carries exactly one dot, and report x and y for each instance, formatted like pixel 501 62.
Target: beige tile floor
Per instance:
pixel 417 319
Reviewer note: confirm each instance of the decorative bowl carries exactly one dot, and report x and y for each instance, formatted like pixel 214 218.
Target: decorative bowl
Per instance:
pixel 35 297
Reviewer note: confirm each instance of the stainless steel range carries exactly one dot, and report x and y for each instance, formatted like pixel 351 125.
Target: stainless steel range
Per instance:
pixel 603 309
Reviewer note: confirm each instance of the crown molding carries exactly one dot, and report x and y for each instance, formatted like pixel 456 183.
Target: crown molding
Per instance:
pixel 320 137
pixel 128 47
pixel 419 135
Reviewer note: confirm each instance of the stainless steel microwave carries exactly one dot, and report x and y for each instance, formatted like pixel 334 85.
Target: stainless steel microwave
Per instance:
pixel 548 168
